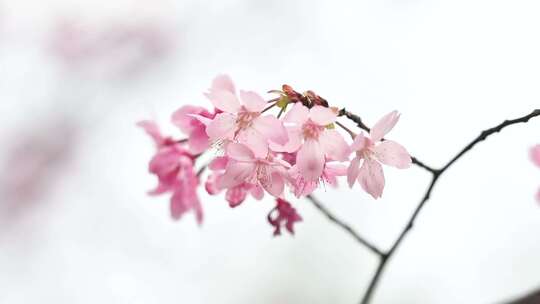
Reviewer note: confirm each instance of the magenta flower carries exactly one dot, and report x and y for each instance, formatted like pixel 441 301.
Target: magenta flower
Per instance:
pixel 244 167
pixel 373 151
pixel 242 121
pixel 173 166
pixel 283 215
pixel 184 118
pixel 313 140
pixel 302 187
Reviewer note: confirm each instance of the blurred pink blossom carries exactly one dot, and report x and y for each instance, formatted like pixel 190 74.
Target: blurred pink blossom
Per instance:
pixel 113 49
pixel 174 167
pixel 33 163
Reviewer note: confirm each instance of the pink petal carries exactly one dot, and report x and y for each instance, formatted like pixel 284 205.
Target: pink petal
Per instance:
pixel 322 116
pixel 239 152
pixel 252 101
pixel 235 196
pixel 182 201
pixel 298 114
pixel 235 174
pixel 384 125
pixel 202 119
pixel 360 142
pixel 281 162
pixel 535 155
pixel 310 160
pixel 182 118
pixel 371 178
pixel 255 141
pixel 160 189
pixel 178 206
pixel 222 127
pixel 538 196
pixel 223 82
pixel 165 161
pixel 334 145
pixel 257 192
pixel 211 184
pixel 152 129
pixel 218 163
pixel 332 171
pixel 353 171
pixel 276 185
pixel 393 154
pixel 294 134
pixel 225 101
pixel 271 128
pixel 198 141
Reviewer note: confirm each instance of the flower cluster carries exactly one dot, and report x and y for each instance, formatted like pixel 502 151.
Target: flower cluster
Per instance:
pixel 535 157
pixel 293 152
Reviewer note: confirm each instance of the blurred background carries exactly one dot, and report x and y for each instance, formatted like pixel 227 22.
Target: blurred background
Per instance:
pixel 76 225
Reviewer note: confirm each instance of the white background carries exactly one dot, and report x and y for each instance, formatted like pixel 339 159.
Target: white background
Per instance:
pixel 452 68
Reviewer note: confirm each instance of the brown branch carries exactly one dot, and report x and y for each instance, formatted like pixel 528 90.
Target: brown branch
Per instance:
pixel 436 174
pixel 489 132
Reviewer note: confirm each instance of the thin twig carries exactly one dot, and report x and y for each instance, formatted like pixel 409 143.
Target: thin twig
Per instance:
pixel 489 132
pixel 346 227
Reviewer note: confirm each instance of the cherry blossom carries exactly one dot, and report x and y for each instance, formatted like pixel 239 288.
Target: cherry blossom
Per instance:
pixel 372 151
pixel 242 118
pixel 283 214
pixel 244 166
pixel 313 138
pixel 260 152
pixel 174 167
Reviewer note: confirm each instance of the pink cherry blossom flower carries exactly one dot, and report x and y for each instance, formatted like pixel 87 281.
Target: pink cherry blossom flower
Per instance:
pixel 535 155
pixel 373 151
pixel 241 119
pixel 244 167
pixel 174 168
pixel 234 195
pixel 184 119
pixel 313 141
pixel 303 187
pixel 283 214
